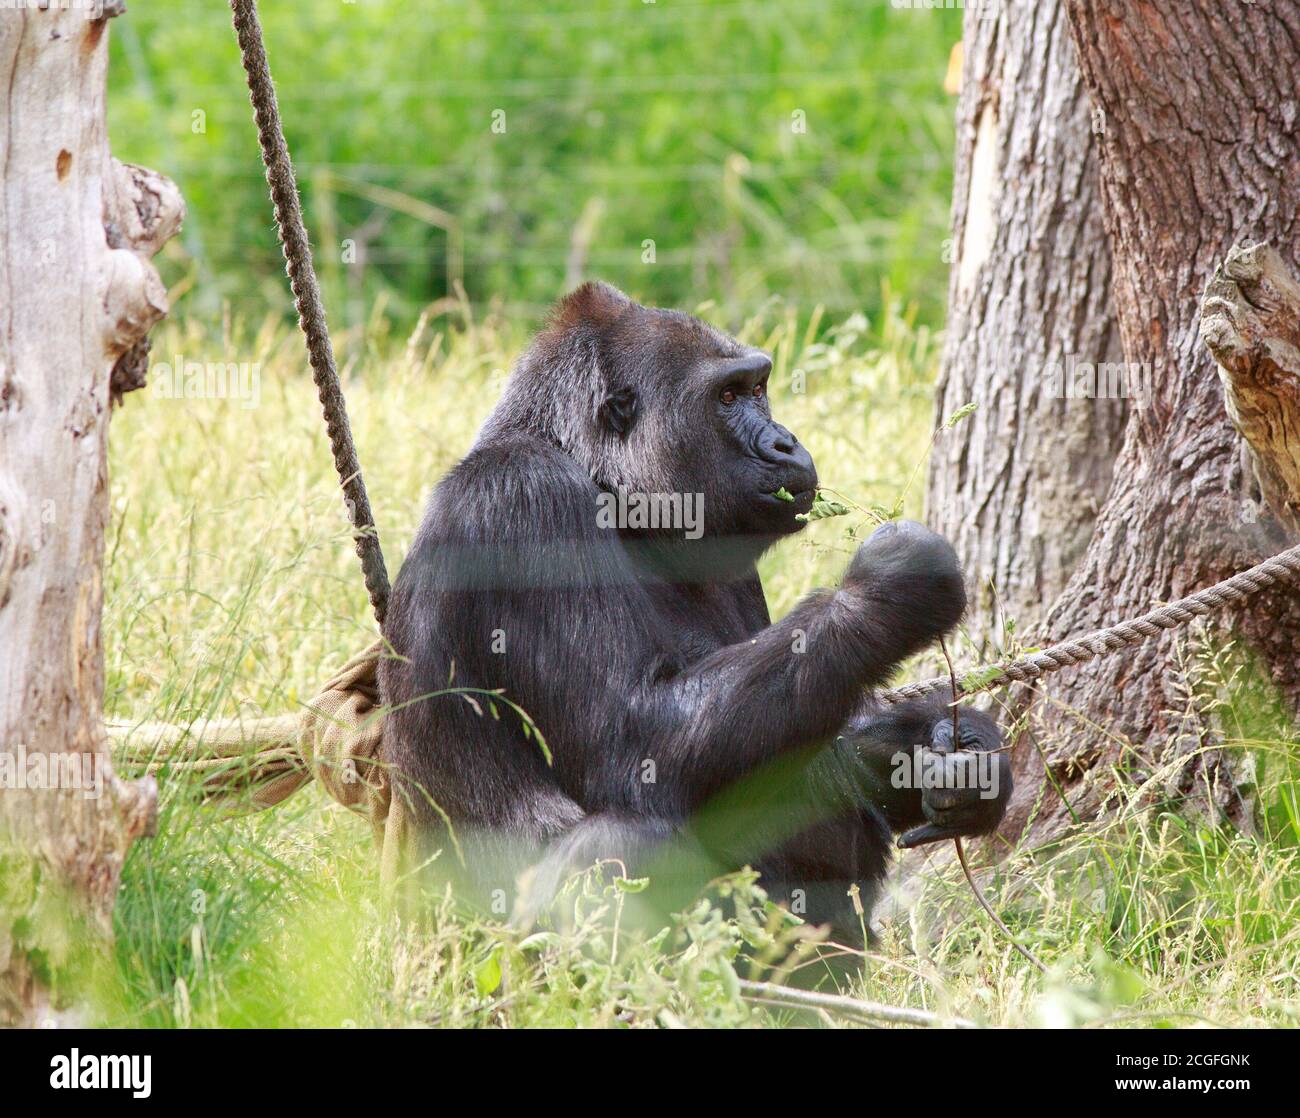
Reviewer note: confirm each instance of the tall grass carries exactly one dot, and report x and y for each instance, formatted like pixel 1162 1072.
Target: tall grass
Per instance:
pixel 231 587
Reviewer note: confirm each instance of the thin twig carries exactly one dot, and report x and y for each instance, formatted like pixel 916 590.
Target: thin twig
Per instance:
pixel 787 997
pixel 956 696
pixel 984 904
pixel 961 850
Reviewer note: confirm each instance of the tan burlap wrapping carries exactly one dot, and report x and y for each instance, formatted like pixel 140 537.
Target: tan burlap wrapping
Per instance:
pixel 245 765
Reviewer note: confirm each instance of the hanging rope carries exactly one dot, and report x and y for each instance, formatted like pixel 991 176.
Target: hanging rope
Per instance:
pixel 1283 567
pixel 307 298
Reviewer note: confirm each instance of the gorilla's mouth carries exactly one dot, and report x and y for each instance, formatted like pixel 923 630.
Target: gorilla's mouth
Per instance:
pixel 797 500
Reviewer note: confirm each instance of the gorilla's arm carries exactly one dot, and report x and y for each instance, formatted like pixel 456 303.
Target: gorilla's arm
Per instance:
pixel 793 685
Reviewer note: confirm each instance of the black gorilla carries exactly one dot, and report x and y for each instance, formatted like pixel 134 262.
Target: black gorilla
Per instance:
pixel 645 653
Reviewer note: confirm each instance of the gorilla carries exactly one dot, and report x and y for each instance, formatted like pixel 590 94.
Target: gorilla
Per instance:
pixel 673 714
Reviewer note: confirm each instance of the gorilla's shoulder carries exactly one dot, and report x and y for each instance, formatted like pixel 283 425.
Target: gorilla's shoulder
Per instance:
pixel 516 487
pixel 514 514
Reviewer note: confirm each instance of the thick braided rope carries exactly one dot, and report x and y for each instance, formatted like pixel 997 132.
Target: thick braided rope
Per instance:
pixel 1282 567
pixel 307 298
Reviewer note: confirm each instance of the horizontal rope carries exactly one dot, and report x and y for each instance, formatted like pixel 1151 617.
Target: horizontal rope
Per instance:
pixel 1282 567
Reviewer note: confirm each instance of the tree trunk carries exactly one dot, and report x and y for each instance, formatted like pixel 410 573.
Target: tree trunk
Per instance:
pixel 1018 484
pixel 79 295
pixel 1200 149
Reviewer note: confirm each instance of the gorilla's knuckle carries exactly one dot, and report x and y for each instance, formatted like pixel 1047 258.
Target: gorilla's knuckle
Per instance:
pixel 906 552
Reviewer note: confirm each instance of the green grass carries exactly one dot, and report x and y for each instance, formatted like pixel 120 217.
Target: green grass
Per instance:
pixel 231 587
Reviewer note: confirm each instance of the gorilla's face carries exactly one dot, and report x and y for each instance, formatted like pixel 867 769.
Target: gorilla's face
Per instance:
pixel 756 458
pixel 700 411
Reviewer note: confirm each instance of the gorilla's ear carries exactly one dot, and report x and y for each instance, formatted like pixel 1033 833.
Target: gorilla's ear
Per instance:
pixel 593 304
pixel 618 411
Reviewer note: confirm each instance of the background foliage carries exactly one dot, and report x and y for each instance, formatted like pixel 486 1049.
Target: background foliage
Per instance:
pixel 626 121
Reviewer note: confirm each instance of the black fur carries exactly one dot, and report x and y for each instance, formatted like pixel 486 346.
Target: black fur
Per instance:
pixel 675 711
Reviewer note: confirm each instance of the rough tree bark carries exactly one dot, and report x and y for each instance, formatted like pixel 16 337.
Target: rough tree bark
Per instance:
pixel 1250 319
pixel 1200 149
pixel 1018 485
pixel 77 296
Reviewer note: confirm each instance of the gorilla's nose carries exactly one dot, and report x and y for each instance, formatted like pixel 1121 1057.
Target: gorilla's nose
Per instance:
pixel 783 442
pixel 778 446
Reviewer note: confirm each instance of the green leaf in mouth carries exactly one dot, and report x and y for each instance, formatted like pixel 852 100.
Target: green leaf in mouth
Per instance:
pixel 783 495
pixel 823 509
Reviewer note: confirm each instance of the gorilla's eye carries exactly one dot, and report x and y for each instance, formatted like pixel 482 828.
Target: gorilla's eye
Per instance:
pixel 728 396
pixel 759 389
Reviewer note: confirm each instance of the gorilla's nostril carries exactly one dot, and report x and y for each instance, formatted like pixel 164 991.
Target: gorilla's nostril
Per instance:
pixel 782 441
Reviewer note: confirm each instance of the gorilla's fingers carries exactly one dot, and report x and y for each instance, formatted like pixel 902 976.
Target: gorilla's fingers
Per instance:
pixel 925 833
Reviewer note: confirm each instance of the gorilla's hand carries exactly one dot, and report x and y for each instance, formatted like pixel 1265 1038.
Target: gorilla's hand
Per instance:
pixel 905 565
pixel 975 779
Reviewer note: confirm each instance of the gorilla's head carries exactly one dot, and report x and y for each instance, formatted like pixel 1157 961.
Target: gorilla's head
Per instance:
pixel 656 402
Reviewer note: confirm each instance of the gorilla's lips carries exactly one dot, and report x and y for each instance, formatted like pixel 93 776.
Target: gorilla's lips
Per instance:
pixel 798 501
pixel 803 499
